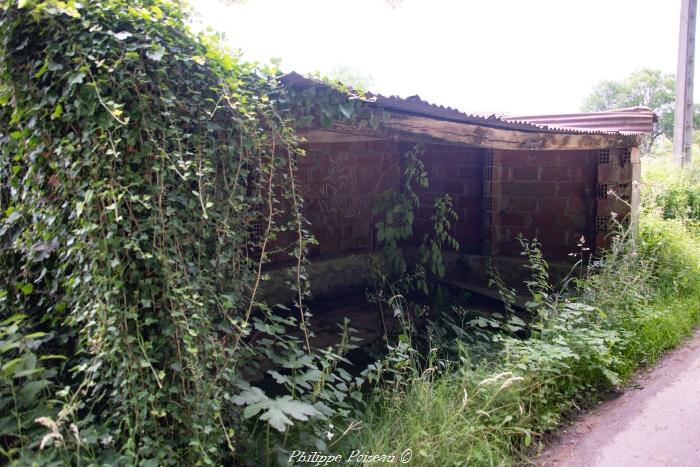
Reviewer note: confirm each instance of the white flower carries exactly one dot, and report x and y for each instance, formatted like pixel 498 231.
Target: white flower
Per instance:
pixel 47 422
pixel 74 431
pixel 50 437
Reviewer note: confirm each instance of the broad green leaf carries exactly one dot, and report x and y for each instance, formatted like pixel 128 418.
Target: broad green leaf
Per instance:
pixel 252 410
pixel 122 35
pixel 155 53
pixel 9 367
pixel 35 335
pixel 279 410
pixel 76 78
pixel 250 396
pixel 57 112
pixel 43 69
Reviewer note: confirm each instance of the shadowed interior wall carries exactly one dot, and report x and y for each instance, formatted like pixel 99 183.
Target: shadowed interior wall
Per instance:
pixel 459 172
pixel 340 184
pixel 548 195
pixel 554 196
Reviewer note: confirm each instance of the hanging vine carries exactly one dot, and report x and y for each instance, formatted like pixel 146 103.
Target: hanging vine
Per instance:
pixel 136 160
pixel 397 208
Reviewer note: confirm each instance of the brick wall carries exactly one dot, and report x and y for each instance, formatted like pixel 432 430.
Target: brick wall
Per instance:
pixel 458 172
pixel 340 184
pixel 554 196
pixel 617 191
pixel 548 195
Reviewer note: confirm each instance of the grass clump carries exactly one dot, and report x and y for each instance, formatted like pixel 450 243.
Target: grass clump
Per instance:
pixel 626 309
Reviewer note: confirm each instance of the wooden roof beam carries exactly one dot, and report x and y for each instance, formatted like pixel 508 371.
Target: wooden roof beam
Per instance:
pixel 415 128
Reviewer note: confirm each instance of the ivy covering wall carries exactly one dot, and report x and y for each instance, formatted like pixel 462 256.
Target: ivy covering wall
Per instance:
pixel 134 158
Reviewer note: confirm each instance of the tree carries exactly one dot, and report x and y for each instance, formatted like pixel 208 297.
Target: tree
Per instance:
pixel 352 77
pixel 666 120
pixel 644 87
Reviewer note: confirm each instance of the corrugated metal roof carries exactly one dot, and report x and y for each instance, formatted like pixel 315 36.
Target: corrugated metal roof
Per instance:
pixel 626 121
pixel 630 121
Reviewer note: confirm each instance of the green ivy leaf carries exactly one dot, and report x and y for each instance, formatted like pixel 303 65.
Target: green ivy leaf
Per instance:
pixel 347 109
pixel 43 69
pixel 57 112
pixel 155 53
pixel 76 78
pixel 27 288
pixel 122 35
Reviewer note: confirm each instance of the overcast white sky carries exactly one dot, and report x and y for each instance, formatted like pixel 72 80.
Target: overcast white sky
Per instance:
pixel 504 56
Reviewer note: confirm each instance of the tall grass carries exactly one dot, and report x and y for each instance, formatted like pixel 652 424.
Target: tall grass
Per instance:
pixel 639 300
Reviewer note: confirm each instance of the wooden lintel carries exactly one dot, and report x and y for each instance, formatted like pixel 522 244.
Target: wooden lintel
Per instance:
pixel 329 136
pixel 429 130
pixel 497 138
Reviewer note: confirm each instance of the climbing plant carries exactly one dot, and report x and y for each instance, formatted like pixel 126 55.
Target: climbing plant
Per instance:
pixel 430 250
pixel 397 209
pixel 146 177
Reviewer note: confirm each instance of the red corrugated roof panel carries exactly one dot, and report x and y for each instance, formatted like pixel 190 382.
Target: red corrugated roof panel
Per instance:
pixel 633 120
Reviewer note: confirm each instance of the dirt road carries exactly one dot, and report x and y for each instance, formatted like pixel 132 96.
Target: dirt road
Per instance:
pixel 656 423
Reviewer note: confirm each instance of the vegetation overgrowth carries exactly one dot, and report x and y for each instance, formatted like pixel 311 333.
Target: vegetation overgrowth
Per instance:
pixel 136 161
pixel 146 176
pixel 495 407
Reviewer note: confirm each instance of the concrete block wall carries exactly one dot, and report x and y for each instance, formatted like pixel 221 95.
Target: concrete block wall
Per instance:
pixel 340 184
pixel 554 196
pixel 617 191
pixel 458 172
pixel 548 195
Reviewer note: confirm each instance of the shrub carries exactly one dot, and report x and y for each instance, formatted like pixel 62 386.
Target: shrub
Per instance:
pixel 672 190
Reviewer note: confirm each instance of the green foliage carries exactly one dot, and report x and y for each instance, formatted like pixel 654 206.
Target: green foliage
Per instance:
pixel 336 101
pixel 23 381
pixel 489 406
pixel 135 161
pixel 673 191
pixel 430 251
pixel 352 77
pixel 644 87
pixel 398 208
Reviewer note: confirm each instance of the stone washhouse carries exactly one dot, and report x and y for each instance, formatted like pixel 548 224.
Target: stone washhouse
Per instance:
pixel 556 178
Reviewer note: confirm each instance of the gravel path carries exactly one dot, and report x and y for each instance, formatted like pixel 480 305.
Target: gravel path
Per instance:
pixel 655 423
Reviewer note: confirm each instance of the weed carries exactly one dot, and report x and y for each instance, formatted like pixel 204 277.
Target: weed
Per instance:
pixel 477 407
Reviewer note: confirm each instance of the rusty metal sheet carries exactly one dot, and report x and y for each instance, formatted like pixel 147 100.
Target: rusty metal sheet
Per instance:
pixel 632 120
